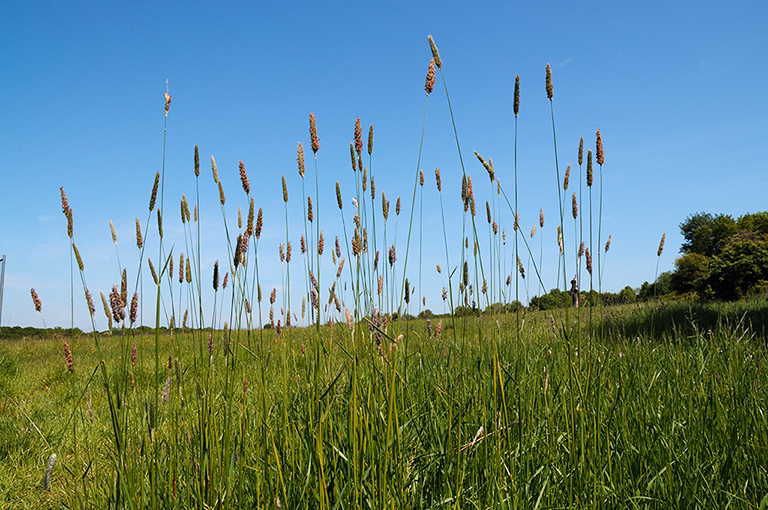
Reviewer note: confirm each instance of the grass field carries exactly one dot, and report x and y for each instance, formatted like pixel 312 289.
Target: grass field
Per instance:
pixel 469 419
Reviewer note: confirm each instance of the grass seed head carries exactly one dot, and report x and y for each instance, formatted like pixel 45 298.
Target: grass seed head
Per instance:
pixel 320 244
pixel 167 98
pixel 134 307
pixel 285 190
pixel 435 53
pixel 153 197
pixel 581 150
pixel 197 162
pixel 36 300
pixel 310 214
pixel 567 178
pixel 574 207
pixel 589 261
pixel 430 82
pixel 590 176
pixel 222 198
pixel 78 258
pixel 188 272
pixel 313 133
pixel 259 223
pixel 397 207
pixel 599 154
pixel 215 170
pixel 516 103
pixel 49 471
pixel 69 223
pixel 608 244
pixel 89 300
pixel 358 136
pixel 421 177
pixel 216 275
pixel 661 244
pixel 300 159
pixel 438 181
pixel 244 179
pixel 560 238
pixel 139 239
pixel 548 83
pixel 370 140
pixel 338 249
pixel 112 229
pixel 64 201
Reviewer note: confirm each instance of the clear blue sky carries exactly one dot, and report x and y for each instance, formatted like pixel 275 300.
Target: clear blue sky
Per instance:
pixel 677 88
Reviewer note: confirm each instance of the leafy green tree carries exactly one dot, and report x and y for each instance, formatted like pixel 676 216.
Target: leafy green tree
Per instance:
pixel 738 268
pixel 707 234
pixel 756 222
pixel 627 295
pixel 691 273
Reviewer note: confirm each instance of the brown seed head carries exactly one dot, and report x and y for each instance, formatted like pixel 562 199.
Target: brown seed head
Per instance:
pixel 320 244
pixel 139 239
pixel 300 159
pixel 188 273
pixel 549 83
pixel 69 358
pixel 421 177
pixel 197 162
pixel 608 244
pixel 487 166
pixel 259 223
pixel 338 248
pixel 181 268
pixel 152 270
pixel 112 229
pixel 397 207
pixel 134 307
pixel 244 179
pixel 64 201
pixel 285 190
pixel 581 249
pixel 249 225
pixel 153 198
pixel 216 276
pixel 310 214
pixel 567 178
pixel 599 154
pixel 560 238
pixel 222 198
pixel 124 286
pixel 516 103
pixel 661 245
pixel 373 189
pixel 282 253
pixel 589 168
pixel 438 181
pixel 466 273
pixel 370 140
pixel 78 258
pixel 239 218
pixel 167 98
pixel 435 53
pixel 574 207
pixel 430 83
pixel 358 136
pixel 520 268
pixel 69 223
pixel 365 178
pixel 36 300
pixel 160 223
pixel 581 150
pixel 89 300
pixel 352 156
pixel 533 231
pixel 488 211
pixel 392 255
pixel 589 261
pixel 313 133
pixel 225 280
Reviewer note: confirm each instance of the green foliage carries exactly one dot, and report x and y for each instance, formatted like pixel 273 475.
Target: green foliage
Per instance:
pixel 691 273
pixel 661 287
pixel 627 295
pixel 706 234
pixel 739 267
pixel 755 222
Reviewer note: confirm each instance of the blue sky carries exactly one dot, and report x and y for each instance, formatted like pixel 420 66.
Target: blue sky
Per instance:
pixel 677 89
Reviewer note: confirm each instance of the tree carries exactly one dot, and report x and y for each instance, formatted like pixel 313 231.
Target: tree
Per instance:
pixel 691 273
pixel 757 223
pixel 738 268
pixel 706 234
